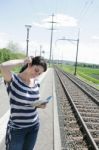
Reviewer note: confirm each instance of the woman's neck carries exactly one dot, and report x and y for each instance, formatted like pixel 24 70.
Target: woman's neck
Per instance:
pixel 26 79
pixel 25 76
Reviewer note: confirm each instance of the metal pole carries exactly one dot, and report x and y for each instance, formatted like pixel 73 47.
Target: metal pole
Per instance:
pixel 40 49
pixel 51 40
pixel 76 58
pixel 75 72
pixel 35 52
pixel 27 39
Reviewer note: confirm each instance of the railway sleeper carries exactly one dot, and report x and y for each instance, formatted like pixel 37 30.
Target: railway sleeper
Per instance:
pixel 91 119
pixel 89 114
pixel 88 110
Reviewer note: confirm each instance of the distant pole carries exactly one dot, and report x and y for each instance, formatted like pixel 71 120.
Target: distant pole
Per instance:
pixel 43 52
pixel 50 57
pixel 35 52
pixel 40 50
pixel 27 39
pixel 77 54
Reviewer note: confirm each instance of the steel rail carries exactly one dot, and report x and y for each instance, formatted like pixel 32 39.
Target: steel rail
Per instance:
pixel 88 93
pixel 84 128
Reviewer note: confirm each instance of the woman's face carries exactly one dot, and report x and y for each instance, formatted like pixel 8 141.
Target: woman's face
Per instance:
pixel 36 70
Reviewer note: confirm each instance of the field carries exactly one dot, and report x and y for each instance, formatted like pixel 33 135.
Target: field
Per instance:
pixel 89 75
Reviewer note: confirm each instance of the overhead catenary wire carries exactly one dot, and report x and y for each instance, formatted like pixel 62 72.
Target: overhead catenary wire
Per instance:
pixel 84 10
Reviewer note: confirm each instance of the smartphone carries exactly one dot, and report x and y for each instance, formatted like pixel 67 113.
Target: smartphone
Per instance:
pixel 49 98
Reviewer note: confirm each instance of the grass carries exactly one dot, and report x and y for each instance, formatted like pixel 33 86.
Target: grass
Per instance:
pixel 89 75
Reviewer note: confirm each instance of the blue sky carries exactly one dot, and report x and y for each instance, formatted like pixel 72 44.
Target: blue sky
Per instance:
pixel 70 15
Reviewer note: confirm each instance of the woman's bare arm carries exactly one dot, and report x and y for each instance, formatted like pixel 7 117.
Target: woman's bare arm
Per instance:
pixel 7 66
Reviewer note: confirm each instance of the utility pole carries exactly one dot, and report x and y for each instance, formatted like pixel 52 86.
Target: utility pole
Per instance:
pixel 77 54
pixel 35 52
pixel 27 39
pixel 40 50
pixel 52 22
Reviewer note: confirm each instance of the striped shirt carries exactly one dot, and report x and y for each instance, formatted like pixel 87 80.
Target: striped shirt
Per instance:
pixel 22 114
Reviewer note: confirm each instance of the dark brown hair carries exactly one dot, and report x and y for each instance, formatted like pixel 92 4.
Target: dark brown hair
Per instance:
pixel 38 60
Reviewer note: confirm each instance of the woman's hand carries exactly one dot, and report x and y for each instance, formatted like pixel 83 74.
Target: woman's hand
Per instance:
pixel 43 106
pixel 28 60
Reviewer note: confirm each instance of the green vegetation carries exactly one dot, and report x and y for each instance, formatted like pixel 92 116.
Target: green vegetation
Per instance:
pixel 87 77
pixel 88 74
pixel 6 54
pixel 68 68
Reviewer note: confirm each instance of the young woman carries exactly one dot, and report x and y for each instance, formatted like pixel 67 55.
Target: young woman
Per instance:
pixel 23 90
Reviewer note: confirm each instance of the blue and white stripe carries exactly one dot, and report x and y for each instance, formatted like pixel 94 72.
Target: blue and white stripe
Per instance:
pixel 21 97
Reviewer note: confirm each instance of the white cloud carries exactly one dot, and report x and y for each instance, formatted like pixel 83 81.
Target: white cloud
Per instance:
pixel 61 20
pixel 88 53
pixel 65 51
pixel 95 37
pixel 4 39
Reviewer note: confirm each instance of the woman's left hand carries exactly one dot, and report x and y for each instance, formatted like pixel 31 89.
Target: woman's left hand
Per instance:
pixel 42 106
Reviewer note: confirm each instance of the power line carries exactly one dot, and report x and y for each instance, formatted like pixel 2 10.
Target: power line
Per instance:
pixel 85 9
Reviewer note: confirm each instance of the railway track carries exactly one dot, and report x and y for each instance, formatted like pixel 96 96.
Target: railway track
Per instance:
pixel 78 112
pixel 88 89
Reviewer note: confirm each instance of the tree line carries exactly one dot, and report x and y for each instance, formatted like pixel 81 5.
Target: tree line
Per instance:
pixel 6 54
pixel 96 66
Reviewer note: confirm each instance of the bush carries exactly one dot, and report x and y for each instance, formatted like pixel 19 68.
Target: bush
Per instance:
pixel 6 54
